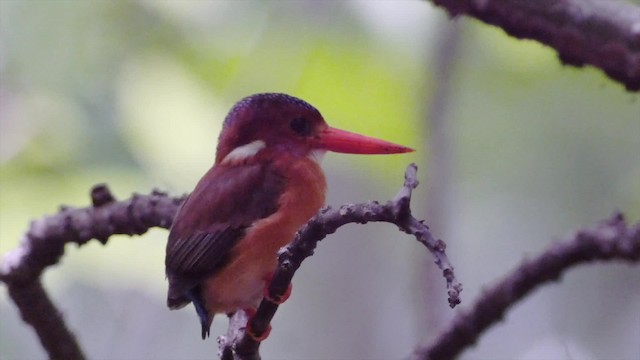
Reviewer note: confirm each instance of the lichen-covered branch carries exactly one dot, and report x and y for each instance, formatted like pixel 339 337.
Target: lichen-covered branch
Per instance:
pixel 611 240
pixel 397 211
pixel 601 33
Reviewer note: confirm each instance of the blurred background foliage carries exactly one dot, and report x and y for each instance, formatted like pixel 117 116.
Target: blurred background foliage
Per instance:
pixel 133 93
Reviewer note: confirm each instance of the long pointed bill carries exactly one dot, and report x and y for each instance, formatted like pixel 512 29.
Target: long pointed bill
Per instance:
pixel 341 141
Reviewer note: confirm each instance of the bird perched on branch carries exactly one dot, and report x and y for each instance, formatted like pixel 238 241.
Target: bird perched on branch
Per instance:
pixel 265 184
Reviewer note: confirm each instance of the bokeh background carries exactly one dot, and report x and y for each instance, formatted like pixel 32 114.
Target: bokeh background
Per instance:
pixel 133 93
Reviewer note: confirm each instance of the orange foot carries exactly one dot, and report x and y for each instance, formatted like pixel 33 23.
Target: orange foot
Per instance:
pixel 280 299
pixel 251 312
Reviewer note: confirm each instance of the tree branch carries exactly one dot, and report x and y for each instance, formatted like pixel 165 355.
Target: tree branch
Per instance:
pixel 43 246
pixel 601 33
pixel 235 345
pixel 610 240
pixel 37 310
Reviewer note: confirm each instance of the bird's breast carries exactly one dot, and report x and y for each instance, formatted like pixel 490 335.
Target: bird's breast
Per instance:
pixel 241 283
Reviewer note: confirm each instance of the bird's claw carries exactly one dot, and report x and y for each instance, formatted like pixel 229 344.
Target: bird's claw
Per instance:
pixel 249 332
pixel 279 299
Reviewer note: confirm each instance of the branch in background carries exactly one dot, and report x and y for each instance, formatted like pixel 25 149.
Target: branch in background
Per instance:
pixel 397 211
pixel 43 246
pixel 602 33
pixel 610 240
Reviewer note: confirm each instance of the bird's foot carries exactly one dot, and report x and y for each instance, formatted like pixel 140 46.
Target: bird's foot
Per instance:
pixel 276 300
pixel 251 312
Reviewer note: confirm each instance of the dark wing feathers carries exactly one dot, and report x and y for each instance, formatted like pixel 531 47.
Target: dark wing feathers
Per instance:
pixel 213 219
pixel 202 252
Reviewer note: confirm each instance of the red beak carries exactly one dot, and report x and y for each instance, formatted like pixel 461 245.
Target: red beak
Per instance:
pixel 341 141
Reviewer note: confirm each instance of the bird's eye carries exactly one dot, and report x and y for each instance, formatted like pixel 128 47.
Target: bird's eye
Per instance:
pixel 301 126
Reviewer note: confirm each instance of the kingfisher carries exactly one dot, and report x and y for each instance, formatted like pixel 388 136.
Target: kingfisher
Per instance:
pixel 265 184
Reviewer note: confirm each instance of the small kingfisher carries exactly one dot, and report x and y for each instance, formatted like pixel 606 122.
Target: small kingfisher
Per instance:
pixel 265 184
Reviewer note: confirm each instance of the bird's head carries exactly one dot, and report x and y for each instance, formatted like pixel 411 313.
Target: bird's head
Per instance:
pixel 284 123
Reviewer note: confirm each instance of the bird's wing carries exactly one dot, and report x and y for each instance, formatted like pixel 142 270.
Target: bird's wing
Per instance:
pixel 213 219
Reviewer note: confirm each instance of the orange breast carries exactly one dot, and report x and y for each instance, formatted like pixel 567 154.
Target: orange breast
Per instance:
pixel 241 283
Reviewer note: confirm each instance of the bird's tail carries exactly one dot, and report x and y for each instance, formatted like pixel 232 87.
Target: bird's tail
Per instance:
pixel 182 293
pixel 194 295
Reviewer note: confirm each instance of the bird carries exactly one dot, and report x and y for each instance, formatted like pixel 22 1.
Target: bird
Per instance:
pixel 266 182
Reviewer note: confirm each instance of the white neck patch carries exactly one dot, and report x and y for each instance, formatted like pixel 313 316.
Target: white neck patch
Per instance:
pixel 244 152
pixel 317 155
